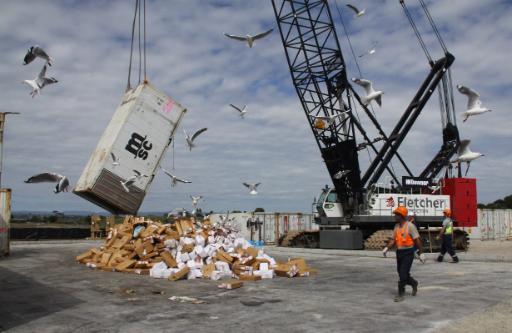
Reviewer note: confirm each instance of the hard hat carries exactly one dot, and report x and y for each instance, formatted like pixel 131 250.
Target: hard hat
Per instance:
pixel 401 210
pixel 447 212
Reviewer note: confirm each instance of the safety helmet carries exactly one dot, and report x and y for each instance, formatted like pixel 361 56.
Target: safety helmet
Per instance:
pixel 447 212
pixel 402 211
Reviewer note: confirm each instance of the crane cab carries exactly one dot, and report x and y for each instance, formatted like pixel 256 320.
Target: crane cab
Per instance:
pixel 328 207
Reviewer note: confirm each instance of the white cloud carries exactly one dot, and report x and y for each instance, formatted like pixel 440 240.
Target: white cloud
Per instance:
pixel 191 60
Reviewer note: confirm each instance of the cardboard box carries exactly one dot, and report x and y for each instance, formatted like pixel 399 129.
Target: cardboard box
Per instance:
pixel 231 284
pixel 251 251
pixel 223 256
pixel 169 259
pixel 83 256
pixel 105 257
pixel 141 271
pixel 207 270
pixel 247 277
pixel 187 248
pixel 180 274
pixel 127 263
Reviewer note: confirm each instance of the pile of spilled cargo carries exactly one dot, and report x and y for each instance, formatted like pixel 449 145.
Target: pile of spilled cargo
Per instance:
pixel 187 250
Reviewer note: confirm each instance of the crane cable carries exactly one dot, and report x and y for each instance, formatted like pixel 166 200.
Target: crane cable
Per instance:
pixel 128 85
pixel 434 27
pixel 140 11
pixel 357 65
pixel 360 75
pixel 416 31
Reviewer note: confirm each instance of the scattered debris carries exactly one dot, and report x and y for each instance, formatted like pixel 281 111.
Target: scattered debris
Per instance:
pixel 186 250
pixel 186 299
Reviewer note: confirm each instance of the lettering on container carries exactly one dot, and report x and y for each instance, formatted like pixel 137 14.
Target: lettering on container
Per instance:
pixel 139 146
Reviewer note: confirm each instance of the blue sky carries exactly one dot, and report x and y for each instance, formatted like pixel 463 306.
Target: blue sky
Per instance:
pixel 191 60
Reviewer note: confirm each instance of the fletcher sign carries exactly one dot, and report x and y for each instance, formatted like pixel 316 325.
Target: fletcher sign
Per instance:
pixel 418 204
pixel 421 202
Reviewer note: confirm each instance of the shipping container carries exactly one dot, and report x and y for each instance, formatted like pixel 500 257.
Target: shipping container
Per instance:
pixel 272 225
pixel 138 135
pixel 494 224
pixel 5 221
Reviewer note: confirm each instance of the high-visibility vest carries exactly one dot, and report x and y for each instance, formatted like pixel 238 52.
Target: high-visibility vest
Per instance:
pixel 449 228
pixel 402 237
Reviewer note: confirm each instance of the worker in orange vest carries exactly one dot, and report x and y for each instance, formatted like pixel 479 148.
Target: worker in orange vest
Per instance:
pixel 446 235
pixel 405 237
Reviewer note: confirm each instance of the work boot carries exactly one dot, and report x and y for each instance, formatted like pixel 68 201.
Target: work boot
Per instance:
pixel 401 292
pixel 455 260
pixel 414 285
pixel 440 259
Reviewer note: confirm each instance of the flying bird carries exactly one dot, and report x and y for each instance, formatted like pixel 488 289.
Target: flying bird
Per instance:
pixel 370 51
pixel 356 10
pixel 434 188
pixel 249 39
pixel 371 94
pixel 195 200
pixel 58 213
pixel 39 82
pixel 474 107
pixel 34 52
pixel 50 177
pixel 190 140
pixel 115 159
pixel 174 179
pixel 132 180
pixel 464 154
pixel 253 188
pixel 242 111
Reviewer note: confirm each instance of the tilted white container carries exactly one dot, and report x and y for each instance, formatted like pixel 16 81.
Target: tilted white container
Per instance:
pixel 138 135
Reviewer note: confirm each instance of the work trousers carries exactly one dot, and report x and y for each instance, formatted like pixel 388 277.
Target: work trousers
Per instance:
pixel 404 259
pixel 446 246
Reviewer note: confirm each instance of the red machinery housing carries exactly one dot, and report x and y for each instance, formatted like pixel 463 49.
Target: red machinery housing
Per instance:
pixel 462 192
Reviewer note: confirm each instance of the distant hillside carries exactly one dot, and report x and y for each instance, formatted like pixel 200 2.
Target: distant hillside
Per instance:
pixel 505 203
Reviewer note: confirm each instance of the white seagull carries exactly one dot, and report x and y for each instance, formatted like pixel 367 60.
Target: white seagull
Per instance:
pixel 356 10
pixel 39 82
pixel 195 200
pixel 34 52
pixel 190 140
pixel 242 111
pixel 370 51
pixel 434 188
pixel 132 180
pixel 174 179
pixel 464 154
pixel 115 159
pixel 249 39
pixel 474 104
pixel 253 188
pixel 50 177
pixel 371 94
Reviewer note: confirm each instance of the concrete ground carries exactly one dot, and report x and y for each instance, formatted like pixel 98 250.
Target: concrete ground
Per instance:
pixel 44 290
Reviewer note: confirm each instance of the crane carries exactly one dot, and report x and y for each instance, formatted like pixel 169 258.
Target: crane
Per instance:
pixel 319 75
